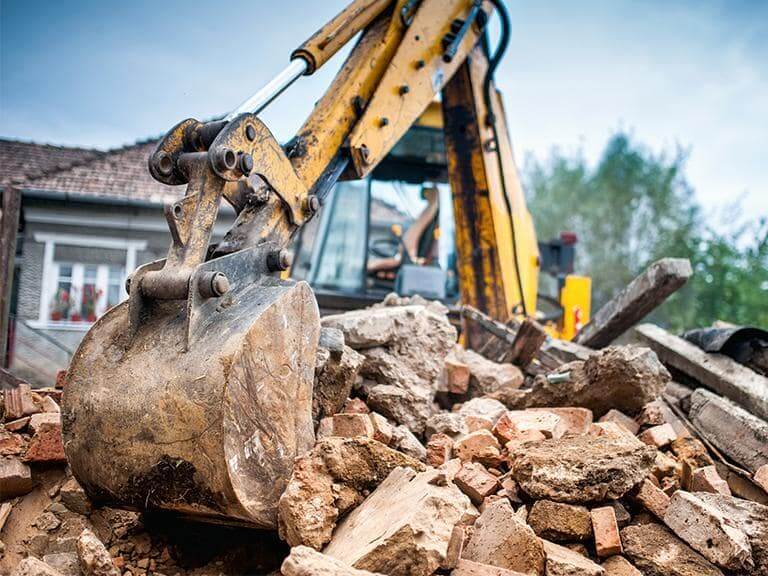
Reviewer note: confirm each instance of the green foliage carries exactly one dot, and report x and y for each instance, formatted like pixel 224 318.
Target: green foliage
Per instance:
pixel 635 207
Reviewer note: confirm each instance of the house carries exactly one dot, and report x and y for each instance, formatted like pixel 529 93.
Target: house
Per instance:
pixel 88 218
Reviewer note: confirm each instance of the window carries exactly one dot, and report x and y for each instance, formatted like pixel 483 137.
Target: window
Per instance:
pixel 83 277
pixel 84 291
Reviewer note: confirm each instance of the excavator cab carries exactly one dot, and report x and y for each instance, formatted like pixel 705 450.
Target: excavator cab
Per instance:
pixel 393 231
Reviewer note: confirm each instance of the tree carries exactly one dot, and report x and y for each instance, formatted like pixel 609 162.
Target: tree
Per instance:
pixel 634 207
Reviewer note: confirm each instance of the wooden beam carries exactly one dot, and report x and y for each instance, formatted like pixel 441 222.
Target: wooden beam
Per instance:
pixel 529 338
pixel 9 225
pixel 637 300
pixel 714 371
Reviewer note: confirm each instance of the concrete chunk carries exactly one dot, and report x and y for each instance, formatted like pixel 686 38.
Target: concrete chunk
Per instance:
pixel 466 567
pixel 15 478
pixel 94 557
pixel 707 531
pixel 404 527
pixel 560 522
pixel 31 566
pixel 658 552
pixel 580 469
pixel 304 561
pixel 564 562
pixel 502 539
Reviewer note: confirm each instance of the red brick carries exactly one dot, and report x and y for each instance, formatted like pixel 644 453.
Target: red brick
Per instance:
pixel 15 478
pixel 476 482
pixel 18 402
pixel 707 479
pixel 576 420
pixel 455 376
pixel 475 423
pixel 652 498
pixel 618 417
pixel 480 446
pixel 46 445
pixel 606 531
pixel 439 448
pixel 658 436
pixel 548 423
pixel 525 436
pixel 505 430
pixel 382 428
pixel 355 406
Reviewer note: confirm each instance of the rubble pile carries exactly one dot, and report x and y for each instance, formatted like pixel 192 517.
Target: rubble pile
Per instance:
pixel 431 458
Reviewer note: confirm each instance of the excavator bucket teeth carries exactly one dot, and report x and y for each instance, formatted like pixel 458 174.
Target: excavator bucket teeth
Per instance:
pixel 208 428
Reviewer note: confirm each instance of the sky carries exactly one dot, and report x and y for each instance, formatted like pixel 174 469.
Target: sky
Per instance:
pixel 674 73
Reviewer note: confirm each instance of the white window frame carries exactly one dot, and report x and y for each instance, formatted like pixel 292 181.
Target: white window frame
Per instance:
pixel 51 270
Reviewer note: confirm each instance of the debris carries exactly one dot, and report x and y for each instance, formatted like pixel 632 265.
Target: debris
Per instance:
pixel 310 505
pixel 304 561
pixel 576 420
pixel 502 539
pixel 707 479
pixel 619 566
pixel 621 377
pixel 451 423
pixel 761 477
pixel 411 408
pixel 455 376
pixel 707 531
pixel 404 527
pixel 466 567
pixel 618 417
pixel 336 370
pixel 74 497
pixel 382 428
pixel 652 498
pixel 659 436
pixel 439 449
pixel 18 402
pixel 36 421
pixel 715 371
pixel 606 530
pixel 93 556
pixel 528 339
pixel 351 425
pixel 560 522
pixel 31 566
pixel 65 562
pixel 15 478
pixel 580 469
pixel 740 435
pixel 485 407
pixel 635 301
pixel 751 518
pixel 480 446
pixel 476 482
pixel 46 445
pixel 564 562
pixel 548 423
pixel 658 552
pixel 487 376
pixel 406 442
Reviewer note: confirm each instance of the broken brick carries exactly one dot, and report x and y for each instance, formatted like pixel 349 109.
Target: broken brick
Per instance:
pixel 15 478
pixel 476 482
pixel 658 436
pixel 352 425
pixel 382 428
pixel 480 446
pixel 652 498
pixel 46 445
pixel 707 479
pixel 455 376
pixel 439 448
pixel 560 522
pixel 606 531
pixel 618 417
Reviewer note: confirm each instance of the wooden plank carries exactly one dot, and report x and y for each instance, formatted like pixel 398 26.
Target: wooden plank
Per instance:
pixel 636 301
pixel 529 338
pixel 714 371
pixel 9 225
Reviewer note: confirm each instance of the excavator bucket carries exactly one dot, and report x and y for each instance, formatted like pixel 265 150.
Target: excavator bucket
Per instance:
pixel 201 409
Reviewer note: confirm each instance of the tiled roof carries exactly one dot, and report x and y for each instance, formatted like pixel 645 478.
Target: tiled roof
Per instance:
pixel 121 173
pixel 20 161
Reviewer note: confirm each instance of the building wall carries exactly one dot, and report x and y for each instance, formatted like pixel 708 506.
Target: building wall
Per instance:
pixel 42 347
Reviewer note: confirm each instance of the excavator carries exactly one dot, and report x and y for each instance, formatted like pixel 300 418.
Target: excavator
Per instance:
pixel 194 395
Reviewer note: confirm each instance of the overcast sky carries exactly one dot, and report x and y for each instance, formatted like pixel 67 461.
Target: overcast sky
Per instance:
pixel 692 73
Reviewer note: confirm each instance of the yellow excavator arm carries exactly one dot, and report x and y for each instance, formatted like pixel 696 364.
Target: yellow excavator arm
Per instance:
pixel 198 389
